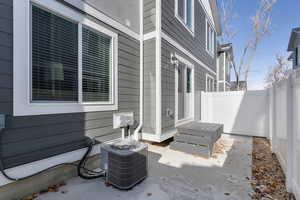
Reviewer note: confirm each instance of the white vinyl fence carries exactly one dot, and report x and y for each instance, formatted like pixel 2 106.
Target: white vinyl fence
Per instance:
pixel 243 113
pixel 273 113
pixel 284 126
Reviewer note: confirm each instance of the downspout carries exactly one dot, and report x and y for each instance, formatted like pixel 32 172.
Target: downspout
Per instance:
pixel 137 132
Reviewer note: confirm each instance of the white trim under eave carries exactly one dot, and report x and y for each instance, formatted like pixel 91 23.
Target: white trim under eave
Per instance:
pixel 34 167
pixel 186 52
pixel 102 17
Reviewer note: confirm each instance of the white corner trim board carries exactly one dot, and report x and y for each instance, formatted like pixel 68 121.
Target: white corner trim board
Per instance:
pixel 102 17
pixel 186 52
pixel 158 68
pixel 34 167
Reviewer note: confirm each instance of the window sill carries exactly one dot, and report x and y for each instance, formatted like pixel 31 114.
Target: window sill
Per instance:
pixel 185 26
pixel 26 109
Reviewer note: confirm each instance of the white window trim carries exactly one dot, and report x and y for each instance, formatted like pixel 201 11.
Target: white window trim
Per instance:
pixel 184 21
pixel 211 39
pixel 208 76
pixel 22 104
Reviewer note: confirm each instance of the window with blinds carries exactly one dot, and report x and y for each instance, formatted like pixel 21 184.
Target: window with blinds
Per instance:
pixel 54 57
pixel 55 63
pixel 96 65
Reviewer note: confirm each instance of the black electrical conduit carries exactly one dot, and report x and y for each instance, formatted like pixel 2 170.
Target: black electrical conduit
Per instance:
pixel 82 171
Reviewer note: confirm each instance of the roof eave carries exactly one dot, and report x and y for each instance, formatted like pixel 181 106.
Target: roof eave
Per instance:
pixel 294 39
pixel 216 16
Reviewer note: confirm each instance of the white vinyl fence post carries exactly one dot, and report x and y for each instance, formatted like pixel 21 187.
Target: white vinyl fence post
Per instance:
pixel 290 137
pixel 270 113
pixel 274 120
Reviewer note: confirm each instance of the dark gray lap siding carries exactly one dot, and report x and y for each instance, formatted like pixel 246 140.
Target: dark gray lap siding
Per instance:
pixel 32 138
pixel 168 85
pixel 196 45
pixel 6 52
pixel 149 16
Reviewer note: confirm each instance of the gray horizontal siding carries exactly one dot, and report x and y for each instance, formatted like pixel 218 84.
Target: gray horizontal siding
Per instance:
pixel 196 45
pixel 168 85
pixel 6 51
pixel 149 123
pixel 149 16
pixel 31 138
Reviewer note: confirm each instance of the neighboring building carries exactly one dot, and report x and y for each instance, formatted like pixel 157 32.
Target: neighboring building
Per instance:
pixel 242 85
pixel 67 65
pixel 294 47
pixel 225 63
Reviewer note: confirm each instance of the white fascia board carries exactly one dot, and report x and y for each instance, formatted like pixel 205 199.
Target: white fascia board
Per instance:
pixel 186 52
pixel 208 12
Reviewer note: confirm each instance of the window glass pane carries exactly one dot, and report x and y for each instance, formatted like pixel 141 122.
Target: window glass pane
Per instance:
pixel 208 36
pixel 96 65
pixel 54 57
pixel 189 17
pixel 180 78
pixel 181 7
pixel 188 80
pixel 212 40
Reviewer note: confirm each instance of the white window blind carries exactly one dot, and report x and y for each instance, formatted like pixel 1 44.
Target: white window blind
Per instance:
pixel 54 57
pixel 55 60
pixel 96 65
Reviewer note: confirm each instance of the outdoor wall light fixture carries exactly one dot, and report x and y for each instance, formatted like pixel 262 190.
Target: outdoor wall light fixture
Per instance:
pixel 174 60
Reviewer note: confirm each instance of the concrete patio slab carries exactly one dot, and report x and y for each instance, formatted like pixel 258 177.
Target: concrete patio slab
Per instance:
pixel 175 175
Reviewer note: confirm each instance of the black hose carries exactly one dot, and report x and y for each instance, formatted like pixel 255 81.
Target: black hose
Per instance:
pixel 88 174
pixel 81 166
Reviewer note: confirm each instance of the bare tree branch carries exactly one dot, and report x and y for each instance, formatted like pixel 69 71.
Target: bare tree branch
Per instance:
pixel 261 24
pixel 279 71
pixel 228 14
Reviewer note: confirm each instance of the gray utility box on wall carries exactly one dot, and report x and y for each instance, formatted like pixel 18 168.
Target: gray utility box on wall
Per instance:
pixel 125 163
